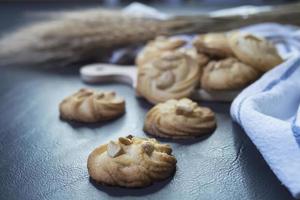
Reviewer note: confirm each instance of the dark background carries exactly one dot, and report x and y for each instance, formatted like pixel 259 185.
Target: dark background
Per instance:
pixel 43 157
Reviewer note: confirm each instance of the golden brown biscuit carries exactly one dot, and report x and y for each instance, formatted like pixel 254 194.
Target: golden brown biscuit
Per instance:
pixel 156 47
pixel 171 75
pixel 131 162
pixel 254 51
pixel 90 106
pixel 227 74
pixel 179 119
pixel 202 59
pixel 213 45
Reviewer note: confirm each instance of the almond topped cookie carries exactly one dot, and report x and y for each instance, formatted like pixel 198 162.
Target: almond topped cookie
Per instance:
pixel 228 74
pixel 89 106
pixel 254 51
pixel 171 75
pixel 213 44
pixel 179 119
pixel 131 162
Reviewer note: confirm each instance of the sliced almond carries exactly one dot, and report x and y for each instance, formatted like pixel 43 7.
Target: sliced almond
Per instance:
pixel 148 148
pixel 166 80
pixel 152 139
pixel 100 96
pixel 114 149
pixel 125 141
pixel 185 107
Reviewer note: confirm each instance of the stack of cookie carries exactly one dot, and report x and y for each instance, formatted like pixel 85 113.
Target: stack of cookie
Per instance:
pixel 216 62
pixel 236 59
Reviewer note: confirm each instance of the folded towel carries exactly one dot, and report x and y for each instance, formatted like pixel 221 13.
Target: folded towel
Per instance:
pixel 269 109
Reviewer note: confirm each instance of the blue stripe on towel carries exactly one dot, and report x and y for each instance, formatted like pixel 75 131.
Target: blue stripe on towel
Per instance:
pixel 296 131
pixel 296 127
pixel 284 76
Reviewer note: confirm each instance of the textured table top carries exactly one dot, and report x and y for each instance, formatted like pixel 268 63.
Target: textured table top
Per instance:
pixel 43 157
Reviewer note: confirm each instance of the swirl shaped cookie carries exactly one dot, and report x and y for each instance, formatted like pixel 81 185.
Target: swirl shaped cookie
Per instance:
pixel 227 74
pixel 171 75
pixel 254 51
pixel 213 45
pixel 90 106
pixel 131 162
pixel 156 47
pixel 179 119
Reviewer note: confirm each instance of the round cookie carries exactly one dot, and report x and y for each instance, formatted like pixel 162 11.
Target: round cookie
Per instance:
pixel 179 119
pixel 90 106
pixel 213 44
pixel 254 51
pixel 156 47
pixel 171 75
pixel 131 162
pixel 227 74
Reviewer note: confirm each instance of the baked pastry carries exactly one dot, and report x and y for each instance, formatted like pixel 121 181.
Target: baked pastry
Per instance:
pixel 171 75
pixel 202 59
pixel 179 119
pixel 90 106
pixel 227 74
pixel 213 44
pixel 254 51
pixel 156 47
pixel 131 162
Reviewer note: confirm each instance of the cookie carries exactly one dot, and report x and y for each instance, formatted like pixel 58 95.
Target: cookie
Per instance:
pixel 228 74
pixel 90 106
pixel 131 162
pixel 254 51
pixel 202 59
pixel 179 119
pixel 213 44
pixel 171 75
pixel 156 47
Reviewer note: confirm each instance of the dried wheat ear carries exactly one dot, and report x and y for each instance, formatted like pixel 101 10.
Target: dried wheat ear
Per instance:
pixel 91 35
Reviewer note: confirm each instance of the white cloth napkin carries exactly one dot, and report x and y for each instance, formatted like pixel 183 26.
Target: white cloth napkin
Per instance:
pixel 269 109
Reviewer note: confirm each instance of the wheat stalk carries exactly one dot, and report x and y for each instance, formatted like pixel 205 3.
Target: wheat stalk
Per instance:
pixel 91 35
